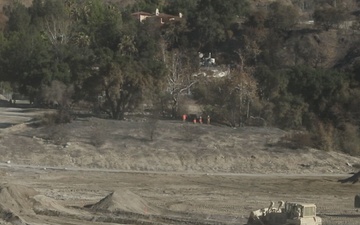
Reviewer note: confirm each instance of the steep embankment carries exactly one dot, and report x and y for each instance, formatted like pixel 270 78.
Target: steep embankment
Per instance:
pixel 176 146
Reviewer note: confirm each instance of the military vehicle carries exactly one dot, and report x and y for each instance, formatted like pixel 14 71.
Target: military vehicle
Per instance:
pixel 288 213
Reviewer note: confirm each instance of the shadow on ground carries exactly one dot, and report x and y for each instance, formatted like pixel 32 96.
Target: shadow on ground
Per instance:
pixel 342 215
pixel 6 125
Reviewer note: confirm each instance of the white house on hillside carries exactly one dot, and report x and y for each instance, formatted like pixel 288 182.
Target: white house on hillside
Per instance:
pixel 162 18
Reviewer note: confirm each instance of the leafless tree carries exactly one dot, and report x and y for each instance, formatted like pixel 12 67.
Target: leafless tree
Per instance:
pixel 179 80
pixel 56 30
pixel 244 92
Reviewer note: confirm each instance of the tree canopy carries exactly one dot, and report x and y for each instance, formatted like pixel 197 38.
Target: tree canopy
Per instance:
pixel 271 61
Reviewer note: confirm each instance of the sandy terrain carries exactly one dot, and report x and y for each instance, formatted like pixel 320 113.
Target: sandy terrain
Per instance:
pixel 95 171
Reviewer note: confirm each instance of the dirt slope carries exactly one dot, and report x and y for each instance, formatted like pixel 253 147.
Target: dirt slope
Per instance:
pixel 176 146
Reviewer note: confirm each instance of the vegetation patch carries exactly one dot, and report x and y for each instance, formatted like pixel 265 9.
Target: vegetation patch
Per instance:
pixel 293 66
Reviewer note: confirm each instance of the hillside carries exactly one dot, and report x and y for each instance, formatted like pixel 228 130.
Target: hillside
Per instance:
pixel 273 62
pixel 176 146
pixel 313 46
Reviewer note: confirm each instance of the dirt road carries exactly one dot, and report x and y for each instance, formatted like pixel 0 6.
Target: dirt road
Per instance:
pixel 10 116
pixel 180 198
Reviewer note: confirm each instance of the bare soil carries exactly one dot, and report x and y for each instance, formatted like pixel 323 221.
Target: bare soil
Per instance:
pixel 95 171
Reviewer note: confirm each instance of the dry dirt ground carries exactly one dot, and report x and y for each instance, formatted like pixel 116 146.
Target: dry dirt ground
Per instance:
pixel 95 171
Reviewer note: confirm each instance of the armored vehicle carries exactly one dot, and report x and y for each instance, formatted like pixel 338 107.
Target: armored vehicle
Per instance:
pixel 288 213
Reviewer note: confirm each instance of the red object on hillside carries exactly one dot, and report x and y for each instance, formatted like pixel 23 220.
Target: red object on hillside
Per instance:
pixel 184 117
